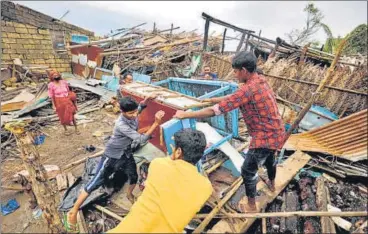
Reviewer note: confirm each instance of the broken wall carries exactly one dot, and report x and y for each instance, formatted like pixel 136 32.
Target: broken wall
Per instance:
pixel 29 35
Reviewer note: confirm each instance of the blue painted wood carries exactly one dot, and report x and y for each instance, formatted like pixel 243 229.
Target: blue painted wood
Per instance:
pixel 228 164
pixel 112 82
pixel 80 39
pixel 102 69
pixel 141 77
pixel 159 83
pixel 171 127
pixel 217 144
pixel 204 89
pixel 216 92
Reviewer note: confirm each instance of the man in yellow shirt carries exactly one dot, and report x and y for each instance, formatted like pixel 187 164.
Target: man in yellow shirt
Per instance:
pixel 174 190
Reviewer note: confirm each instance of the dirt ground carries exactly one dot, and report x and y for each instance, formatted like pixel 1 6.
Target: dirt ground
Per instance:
pixel 59 150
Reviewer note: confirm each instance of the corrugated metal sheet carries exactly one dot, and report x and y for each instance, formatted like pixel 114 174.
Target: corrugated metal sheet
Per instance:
pixel 346 138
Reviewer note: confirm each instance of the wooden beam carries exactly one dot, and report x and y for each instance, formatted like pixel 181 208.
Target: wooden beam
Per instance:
pixel 205 39
pixel 247 42
pixel 76 163
pixel 223 41
pixel 327 224
pixel 220 22
pixel 40 183
pixel 170 29
pixel 288 214
pixel 316 84
pixel 240 42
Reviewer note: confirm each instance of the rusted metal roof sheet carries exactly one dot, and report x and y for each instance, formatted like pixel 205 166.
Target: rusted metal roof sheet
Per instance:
pixel 346 138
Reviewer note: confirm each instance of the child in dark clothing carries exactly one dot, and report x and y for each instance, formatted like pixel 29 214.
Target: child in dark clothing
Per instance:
pixel 118 154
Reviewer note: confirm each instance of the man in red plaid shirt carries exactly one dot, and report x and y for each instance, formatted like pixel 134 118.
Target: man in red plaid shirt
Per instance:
pixel 257 102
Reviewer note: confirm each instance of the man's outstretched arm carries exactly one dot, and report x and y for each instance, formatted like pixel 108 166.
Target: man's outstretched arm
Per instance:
pixel 204 113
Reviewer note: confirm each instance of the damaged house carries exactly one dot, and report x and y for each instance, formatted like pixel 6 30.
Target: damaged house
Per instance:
pixel 38 40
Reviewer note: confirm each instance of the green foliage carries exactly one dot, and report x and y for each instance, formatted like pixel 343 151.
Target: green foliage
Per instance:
pixel 357 41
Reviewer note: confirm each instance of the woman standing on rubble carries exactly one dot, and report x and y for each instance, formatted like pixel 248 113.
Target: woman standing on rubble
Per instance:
pixel 63 100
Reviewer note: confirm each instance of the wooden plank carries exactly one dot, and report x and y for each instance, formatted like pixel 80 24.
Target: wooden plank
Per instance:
pixel 338 220
pixel 285 173
pixel 62 182
pixel 321 196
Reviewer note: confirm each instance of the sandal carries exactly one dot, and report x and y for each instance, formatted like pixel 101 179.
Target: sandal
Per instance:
pixel 67 133
pixel 77 132
pixel 70 228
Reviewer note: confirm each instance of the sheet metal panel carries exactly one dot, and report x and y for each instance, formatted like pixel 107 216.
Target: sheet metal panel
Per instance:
pixel 147 117
pixel 93 55
pixel 345 138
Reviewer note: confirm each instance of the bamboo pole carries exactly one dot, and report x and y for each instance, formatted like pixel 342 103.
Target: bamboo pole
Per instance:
pixel 40 184
pixel 203 104
pixel 76 163
pixel 235 186
pixel 287 214
pixel 317 93
pixel 316 84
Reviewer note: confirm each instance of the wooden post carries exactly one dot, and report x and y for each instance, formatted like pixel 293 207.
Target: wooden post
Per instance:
pixel 273 53
pixel 223 41
pixel 327 224
pixel 205 39
pixel 316 94
pixel 246 42
pixel 171 29
pixel 259 34
pixel 40 183
pixel 301 60
pixel 154 27
pixel 241 42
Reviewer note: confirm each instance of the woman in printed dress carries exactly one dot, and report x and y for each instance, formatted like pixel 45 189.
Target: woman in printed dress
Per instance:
pixel 63 100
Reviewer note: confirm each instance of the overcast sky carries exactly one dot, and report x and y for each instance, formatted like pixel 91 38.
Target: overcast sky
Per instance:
pixel 274 18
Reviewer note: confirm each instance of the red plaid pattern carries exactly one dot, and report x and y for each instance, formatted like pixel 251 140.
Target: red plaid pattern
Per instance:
pixel 257 102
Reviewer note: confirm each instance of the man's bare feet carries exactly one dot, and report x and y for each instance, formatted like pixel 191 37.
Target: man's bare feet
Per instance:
pixel 249 207
pixel 67 133
pixel 77 132
pixel 271 185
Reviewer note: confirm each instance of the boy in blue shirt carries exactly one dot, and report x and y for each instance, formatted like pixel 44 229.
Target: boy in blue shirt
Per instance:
pixel 118 154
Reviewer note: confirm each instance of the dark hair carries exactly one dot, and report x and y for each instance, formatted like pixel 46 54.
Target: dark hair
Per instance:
pixel 245 60
pixel 126 75
pixel 192 143
pixel 128 104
